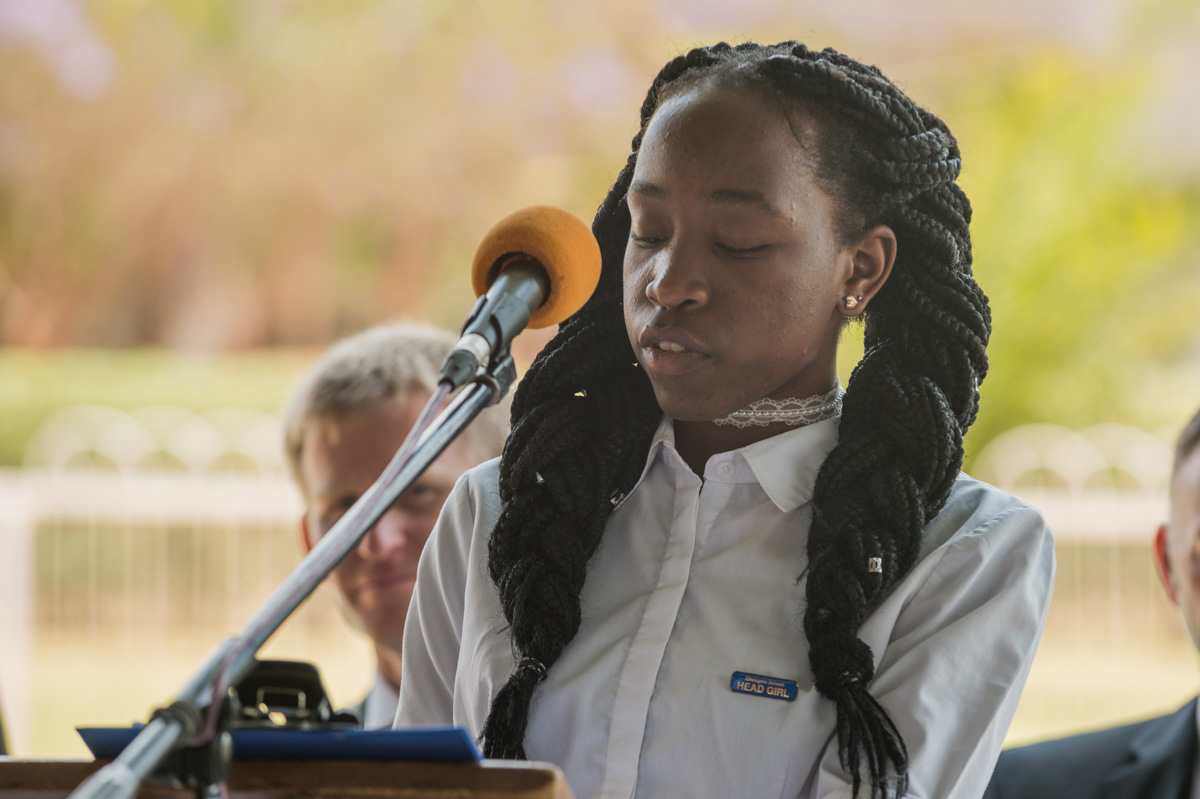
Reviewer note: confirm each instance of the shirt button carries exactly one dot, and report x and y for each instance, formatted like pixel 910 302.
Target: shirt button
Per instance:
pixel 725 469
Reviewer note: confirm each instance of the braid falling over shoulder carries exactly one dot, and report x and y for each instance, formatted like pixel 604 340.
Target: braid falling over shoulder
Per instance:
pixel 584 415
pixel 582 420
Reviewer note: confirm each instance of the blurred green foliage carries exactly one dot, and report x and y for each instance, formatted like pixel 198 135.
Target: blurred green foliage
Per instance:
pixel 280 174
pixel 34 383
pixel 1088 258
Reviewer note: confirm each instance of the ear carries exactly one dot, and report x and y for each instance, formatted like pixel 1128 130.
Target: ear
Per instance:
pixel 306 542
pixel 1162 563
pixel 871 261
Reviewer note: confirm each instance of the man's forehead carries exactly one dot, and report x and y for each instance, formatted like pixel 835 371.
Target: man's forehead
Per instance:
pixel 327 431
pixel 327 427
pixel 330 422
pixel 323 437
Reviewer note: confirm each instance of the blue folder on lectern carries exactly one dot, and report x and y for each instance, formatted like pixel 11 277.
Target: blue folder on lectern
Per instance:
pixel 436 744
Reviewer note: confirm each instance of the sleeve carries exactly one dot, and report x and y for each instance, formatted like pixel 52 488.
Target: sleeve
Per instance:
pixel 957 654
pixel 433 628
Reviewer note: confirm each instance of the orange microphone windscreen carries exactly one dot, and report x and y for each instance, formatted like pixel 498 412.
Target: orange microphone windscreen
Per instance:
pixel 559 241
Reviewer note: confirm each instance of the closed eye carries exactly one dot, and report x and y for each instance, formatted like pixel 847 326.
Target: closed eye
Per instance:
pixel 645 241
pixel 337 509
pixel 742 252
pixel 423 497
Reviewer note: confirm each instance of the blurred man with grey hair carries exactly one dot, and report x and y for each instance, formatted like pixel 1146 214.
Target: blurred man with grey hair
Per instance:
pixel 1149 759
pixel 347 418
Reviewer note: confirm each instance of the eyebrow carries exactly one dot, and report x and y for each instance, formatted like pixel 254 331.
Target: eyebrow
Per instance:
pixel 644 189
pixel 719 197
pixel 733 197
pixel 331 493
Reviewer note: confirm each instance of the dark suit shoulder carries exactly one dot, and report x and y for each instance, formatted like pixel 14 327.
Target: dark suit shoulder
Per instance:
pixel 1081 766
pixel 1070 766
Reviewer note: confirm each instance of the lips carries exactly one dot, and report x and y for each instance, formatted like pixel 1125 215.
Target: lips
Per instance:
pixel 670 351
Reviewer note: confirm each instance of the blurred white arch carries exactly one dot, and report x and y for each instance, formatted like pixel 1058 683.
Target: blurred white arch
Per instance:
pixel 1104 483
pixel 1047 457
pixel 90 436
pixel 156 438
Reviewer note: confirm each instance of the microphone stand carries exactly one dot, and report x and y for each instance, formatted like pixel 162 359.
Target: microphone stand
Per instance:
pixel 192 730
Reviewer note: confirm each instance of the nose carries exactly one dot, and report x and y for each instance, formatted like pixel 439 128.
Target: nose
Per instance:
pixel 677 280
pixel 389 535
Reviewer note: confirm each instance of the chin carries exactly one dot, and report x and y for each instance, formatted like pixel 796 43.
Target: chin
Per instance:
pixel 681 414
pixel 679 406
pixel 379 612
pixel 387 632
pixel 688 410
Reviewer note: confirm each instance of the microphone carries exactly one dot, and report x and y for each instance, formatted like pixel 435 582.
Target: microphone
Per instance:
pixel 537 266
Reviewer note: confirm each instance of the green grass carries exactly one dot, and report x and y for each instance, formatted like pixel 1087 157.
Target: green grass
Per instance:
pixel 36 383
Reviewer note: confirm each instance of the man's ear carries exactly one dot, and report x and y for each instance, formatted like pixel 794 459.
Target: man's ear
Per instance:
pixel 1162 563
pixel 306 542
pixel 871 262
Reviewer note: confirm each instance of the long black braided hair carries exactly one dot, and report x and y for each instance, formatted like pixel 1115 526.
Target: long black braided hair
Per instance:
pixel 584 415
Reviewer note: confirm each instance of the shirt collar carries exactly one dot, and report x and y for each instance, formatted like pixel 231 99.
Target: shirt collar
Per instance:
pixel 664 436
pixel 785 465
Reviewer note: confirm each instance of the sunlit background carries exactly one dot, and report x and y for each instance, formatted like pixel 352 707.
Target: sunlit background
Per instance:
pixel 197 196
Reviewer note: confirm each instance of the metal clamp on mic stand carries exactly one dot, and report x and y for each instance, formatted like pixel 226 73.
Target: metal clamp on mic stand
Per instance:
pixel 188 743
pixel 203 767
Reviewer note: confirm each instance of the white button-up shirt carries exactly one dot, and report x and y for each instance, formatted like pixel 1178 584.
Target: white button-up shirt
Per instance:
pixel 696 580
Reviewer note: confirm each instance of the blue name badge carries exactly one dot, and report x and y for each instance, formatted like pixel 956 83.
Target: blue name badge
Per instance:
pixel 758 685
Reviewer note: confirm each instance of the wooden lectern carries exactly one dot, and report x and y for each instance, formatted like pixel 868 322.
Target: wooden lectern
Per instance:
pixel 268 779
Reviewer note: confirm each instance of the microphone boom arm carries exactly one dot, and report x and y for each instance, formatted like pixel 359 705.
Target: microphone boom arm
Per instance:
pixel 183 723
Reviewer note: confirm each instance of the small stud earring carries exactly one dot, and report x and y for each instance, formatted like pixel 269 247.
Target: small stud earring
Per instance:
pixel 851 302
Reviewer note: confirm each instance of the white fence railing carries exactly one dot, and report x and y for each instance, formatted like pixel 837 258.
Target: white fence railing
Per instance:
pixel 95 474
pixel 39 500
pixel 97 468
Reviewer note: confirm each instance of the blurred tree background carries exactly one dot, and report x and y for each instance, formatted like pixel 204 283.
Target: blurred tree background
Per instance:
pixel 196 195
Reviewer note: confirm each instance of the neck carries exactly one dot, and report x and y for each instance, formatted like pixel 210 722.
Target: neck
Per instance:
pixel 389 664
pixel 699 441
